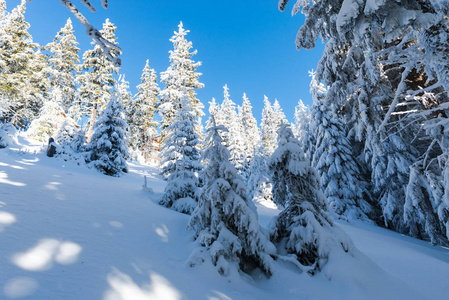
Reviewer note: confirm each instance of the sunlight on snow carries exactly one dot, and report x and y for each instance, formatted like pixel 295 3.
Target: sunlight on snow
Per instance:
pixel 6 219
pixel 12 166
pixel 122 287
pixel 162 232
pixel 52 186
pixel 3 179
pixel 47 251
pixel 20 287
pixel 218 296
pixel 28 162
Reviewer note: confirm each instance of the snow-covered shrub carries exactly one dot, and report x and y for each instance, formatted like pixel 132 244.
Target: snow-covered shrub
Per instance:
pixel 8 135
pixel 70 142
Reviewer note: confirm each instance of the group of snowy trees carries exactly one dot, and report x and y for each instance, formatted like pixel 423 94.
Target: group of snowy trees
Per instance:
pixel 378 129
pixel 49 91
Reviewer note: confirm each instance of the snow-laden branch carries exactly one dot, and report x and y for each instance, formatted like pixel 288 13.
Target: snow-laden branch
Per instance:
pixel 91 31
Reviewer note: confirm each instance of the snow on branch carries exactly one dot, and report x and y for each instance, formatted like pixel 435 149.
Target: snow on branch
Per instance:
pixel 91 31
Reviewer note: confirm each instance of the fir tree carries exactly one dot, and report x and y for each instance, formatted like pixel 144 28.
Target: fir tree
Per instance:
pixel 250 136
pixel 232 140
pixel 108 150
pixel 64 60
pixel 303 228
pixel 225 221
pixel 336 167
pixel 180 75
pixel 24 72
pixel 268 129
pixel 146 104
pixel 183 161
pixel 97 79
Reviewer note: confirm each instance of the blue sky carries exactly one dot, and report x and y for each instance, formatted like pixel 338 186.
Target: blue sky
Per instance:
pixel 249 45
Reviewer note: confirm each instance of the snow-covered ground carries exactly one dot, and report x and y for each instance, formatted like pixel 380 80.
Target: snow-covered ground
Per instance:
pixel 69 232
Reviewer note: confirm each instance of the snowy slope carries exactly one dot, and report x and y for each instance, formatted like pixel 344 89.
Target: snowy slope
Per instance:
pixel 69 232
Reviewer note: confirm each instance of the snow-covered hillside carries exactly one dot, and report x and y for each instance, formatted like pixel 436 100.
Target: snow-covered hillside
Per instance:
pixel 69 232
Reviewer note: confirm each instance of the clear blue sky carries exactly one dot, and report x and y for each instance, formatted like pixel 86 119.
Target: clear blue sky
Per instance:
pixel 249 44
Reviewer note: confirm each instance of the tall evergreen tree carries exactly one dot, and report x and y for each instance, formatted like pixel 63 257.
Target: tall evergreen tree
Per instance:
pixel 180 75
pixel 64 60
pixel 268 129
pixel 24 72
pixel 183 163
pixel 232 139
pixel 225 221
pixel 146 103
pixel 97 79
pixel 250 135
pixel 336 167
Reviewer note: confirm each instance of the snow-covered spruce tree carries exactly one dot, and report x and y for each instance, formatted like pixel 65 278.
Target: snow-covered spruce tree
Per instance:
pixel 214 109
pixel 50 118
pixel 423 191
pixel 183 161
pixel 64 60
pixel 303 228
pixel 180 75
pixel 146 104
pixel 232 140
pixel 24 72
pixel 250 135
pixel 97 79
pixel 225 221
pixel 337 168
pixel 268 127
pixel 108 149
pixel 301 127
pixel 259 183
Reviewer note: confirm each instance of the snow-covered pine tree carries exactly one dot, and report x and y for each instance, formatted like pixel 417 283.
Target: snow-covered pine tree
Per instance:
pixel 250 135
pixel 214 109
pixel 183 161
pixel 64 60
pixel 146 103
pixel 108 149
pixel 336 166
pixel 259 183
pixel 303 228
pixel 278 114
pixel 180 75
pixel 50 118
pixel 301 127
pixel 97 79
pixel 268 129
pixel 225 221
pixel 425 190
pixel 24 72
pixel 232 139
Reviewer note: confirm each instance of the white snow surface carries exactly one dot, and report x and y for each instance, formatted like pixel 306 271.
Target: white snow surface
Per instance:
pixel 69 232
